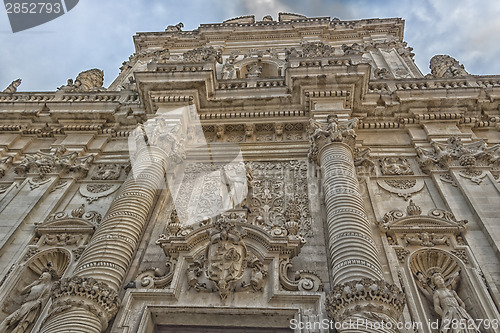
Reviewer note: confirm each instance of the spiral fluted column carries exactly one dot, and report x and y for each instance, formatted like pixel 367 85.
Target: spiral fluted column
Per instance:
pixel 360 299
pixel 352 249
pixel 87 301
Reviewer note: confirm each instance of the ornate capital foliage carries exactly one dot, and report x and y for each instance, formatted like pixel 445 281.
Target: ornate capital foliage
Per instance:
pixel 104 300
pixel 364 295
pixel 321 134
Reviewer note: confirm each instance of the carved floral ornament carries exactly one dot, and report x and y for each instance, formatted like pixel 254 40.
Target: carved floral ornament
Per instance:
pixel 60 160
pixel 228 256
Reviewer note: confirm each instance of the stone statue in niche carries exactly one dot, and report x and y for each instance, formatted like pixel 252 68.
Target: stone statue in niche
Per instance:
pixel 451 308
pixel 228 70
pixel 22 319
pixel 437 274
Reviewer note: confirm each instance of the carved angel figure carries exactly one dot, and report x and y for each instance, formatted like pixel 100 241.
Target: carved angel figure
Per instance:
pixel 450 307
pixel 38 293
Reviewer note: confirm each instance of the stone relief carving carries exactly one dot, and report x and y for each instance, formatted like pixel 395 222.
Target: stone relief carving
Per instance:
pixel 226 263
pixel 302 280
pixel 437 275
pixel 107 172
pixel 395 166
pixel 45 163
pixel 5 162
pixel 93 192
pixel 382 73
pixel 403 187
pixel 313 50
pixel 444 66
pixel 61 239
pixel 72 290
pixel 334 131
pixel 22 319
pixel 272 203
pixel 228 70
pixel 353 49
pixel 363 161
pixel 456 153
pixel 89 80
pixel 426 239
pixel 12 88
pixel 158 56
pixel 203 54
pixel 253 70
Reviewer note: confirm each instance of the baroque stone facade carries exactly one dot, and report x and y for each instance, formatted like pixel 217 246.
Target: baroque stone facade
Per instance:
pixel 288 175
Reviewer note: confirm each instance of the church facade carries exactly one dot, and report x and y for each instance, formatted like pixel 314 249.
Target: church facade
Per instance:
pixel 290 175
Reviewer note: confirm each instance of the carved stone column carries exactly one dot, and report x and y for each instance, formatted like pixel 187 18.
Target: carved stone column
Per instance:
pixel 359 290
pixel 87 301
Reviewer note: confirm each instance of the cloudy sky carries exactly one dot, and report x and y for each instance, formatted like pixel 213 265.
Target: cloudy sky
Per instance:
pixel 98 33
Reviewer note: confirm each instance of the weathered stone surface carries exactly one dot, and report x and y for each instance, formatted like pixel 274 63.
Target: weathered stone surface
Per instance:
pixel 251 173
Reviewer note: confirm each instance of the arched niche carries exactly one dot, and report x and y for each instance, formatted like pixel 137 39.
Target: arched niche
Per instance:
pixel 55 261
pixel 459 276
pixel 269 67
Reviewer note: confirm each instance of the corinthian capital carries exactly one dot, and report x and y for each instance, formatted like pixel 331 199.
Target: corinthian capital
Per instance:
pixel 321 134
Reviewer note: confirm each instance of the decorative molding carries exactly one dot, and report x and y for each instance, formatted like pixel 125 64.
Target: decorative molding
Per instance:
pixel 95 191
pixel 436 221
pixel 302 280
pixel 403 187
